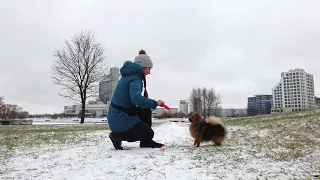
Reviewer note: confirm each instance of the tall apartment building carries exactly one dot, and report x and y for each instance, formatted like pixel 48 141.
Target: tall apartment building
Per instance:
pixel 183 107
pixel 108 85
pixel 294 92
pixel 259 104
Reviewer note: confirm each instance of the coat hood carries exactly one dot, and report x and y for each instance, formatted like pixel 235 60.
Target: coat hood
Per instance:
pixel 129 68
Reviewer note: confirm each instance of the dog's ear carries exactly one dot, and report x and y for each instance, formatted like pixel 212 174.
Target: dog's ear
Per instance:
pixel 196 117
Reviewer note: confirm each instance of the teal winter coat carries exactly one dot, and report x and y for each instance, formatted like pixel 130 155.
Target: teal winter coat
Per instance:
pixel 128 94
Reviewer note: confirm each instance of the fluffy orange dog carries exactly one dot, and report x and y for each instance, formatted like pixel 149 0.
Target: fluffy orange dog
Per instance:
pixel 203 131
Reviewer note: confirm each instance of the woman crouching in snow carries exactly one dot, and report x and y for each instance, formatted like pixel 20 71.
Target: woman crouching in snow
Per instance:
pixel 128 106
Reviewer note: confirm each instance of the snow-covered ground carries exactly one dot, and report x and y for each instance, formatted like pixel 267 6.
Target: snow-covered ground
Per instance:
pixel 97 159
pixel 75 120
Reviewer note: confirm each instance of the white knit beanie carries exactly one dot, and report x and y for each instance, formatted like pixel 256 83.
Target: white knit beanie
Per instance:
pixel 143 59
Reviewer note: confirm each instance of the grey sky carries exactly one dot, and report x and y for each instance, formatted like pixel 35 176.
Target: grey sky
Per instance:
pixel 238 47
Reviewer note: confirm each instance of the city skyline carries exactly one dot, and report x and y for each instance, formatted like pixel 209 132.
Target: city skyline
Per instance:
pixel 257 104
pixel 114 74
pixel 294 92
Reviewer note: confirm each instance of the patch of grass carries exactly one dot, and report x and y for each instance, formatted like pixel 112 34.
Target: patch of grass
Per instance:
pixel 14 137
pixel 289 139
pixel 25 129
pixel 282 137
pixel 29 136
pixel 310 114
pixel 279 137
pixel 155 124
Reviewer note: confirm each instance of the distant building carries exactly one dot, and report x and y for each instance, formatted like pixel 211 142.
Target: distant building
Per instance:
pixel 159 111
pixel 183 107
pixel 108 85
pixel 251 103
pixel 72 110
pixel 259 104
pixel 97 109
pixel 294 92
pixel 93 109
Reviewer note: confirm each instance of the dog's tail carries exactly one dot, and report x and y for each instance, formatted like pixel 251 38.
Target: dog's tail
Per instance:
pixel 214 120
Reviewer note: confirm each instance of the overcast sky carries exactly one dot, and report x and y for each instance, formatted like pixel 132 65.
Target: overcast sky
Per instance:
pixel 237 47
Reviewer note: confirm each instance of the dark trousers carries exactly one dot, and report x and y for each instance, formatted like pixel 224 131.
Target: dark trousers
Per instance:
pixel 139 132
pixel 142 131
pixel 145 115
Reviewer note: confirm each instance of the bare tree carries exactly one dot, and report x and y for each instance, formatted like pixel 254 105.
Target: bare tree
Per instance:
pixel 166 114
pixel 23 114
pixel 9 111
pixel 195 100
pixel 2 107
pixel 190 114
pixel 206 101
pixel 242 113
pixel 211 98
pixel 12 111
pixel 217 106
pixel 78 68
pixel 232 112
pixel 1 101
pixel 213 103
pixel 181 114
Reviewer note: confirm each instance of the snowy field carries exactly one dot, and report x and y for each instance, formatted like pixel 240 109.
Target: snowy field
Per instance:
pixel 75 120
pixel 267 147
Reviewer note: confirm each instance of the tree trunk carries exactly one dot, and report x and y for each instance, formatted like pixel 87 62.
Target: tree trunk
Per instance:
pixel 83 111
